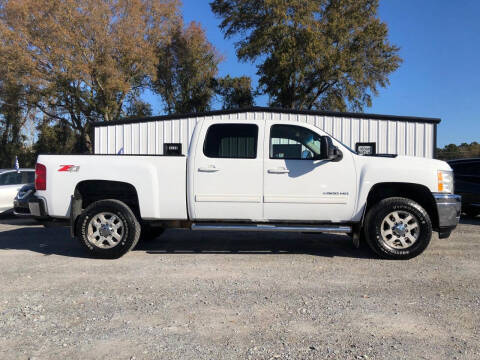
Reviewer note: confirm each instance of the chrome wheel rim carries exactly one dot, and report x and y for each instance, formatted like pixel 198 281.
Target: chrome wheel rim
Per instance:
pixel 400 230
pixel 105 230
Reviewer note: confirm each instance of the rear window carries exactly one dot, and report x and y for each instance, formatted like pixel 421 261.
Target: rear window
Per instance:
pixel 28 177
pixel 11 178
pixel 232 141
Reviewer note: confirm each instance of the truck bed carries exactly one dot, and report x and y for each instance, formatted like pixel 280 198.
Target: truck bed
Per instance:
pixel 160 181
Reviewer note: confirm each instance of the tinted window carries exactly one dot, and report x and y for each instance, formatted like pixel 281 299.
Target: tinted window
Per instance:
pixel 457 168
pixel 231 141
pixel 11 178
pixel 294 143
pixel 28 177
pixel 466 168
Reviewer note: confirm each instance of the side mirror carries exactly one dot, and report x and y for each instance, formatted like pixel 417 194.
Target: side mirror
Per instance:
pixel 329 151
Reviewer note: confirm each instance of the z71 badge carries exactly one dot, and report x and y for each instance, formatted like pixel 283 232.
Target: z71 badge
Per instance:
pixel 69 168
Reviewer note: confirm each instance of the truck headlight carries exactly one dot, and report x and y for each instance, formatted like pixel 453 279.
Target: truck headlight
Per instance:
pixel 445 181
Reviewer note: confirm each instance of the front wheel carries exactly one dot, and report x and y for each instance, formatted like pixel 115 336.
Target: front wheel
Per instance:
pixel 108 229
pixel 398 228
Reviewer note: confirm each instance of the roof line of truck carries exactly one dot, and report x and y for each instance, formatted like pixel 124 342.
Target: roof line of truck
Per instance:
pixel 271 110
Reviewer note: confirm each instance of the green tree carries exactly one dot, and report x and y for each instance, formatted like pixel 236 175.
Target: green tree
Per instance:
pixel 312 54
pixel 186 69
pixel 461 151
pixel 12 120
pixel 138 108
pixel 236 92
pixel 56 137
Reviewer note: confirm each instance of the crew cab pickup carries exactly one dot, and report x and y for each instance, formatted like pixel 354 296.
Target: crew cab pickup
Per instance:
pixel 250 176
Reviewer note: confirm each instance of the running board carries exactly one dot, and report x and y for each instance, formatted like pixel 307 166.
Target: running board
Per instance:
pixel 268 227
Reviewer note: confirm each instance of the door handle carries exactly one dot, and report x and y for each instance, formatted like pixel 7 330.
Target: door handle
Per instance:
pixel 209 169
pixel 278 171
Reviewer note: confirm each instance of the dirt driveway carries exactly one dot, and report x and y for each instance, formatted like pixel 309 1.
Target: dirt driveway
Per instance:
pixel 237 296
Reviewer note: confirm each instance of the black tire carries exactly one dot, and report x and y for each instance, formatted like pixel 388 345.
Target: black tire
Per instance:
pixel 375 220
pixel 7 214
pixel 130 229
pixel 150 233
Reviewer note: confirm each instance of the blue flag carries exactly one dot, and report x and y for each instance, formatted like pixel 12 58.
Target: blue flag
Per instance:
pixel 120 152
pixel 17 165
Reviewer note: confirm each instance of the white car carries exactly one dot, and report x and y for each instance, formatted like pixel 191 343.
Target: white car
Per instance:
pixel 11 181
pixel 250 175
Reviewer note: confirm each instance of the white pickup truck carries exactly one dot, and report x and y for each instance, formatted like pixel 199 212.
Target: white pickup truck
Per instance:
pixel 250 176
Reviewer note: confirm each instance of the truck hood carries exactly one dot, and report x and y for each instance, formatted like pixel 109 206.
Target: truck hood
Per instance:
pixel 401 169
pixel 405 162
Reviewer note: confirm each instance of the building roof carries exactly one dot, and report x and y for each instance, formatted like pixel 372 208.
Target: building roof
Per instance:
pixel 274 110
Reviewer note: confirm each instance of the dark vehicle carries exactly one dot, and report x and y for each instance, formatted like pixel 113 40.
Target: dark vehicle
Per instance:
pixel 467 184
pixel 20 203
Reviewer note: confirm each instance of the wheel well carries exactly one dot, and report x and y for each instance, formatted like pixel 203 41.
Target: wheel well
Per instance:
pixel 93 190
pixel 418 193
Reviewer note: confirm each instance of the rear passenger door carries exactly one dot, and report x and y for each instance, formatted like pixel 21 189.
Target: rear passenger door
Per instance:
pixel 228 172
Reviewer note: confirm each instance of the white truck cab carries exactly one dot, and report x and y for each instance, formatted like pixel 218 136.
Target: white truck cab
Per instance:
pixel 259 175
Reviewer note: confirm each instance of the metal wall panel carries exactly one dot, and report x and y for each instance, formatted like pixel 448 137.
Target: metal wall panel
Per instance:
pixel 391 136
pixel 96 139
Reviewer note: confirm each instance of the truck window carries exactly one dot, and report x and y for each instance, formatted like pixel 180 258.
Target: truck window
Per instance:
pixel 293 143
pixel 476 169
pixel 28 177
pixel 463 168
pixel 11 178
pixel 234 141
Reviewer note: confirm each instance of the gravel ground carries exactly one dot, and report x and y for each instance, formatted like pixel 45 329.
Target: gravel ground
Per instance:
pixel 237 296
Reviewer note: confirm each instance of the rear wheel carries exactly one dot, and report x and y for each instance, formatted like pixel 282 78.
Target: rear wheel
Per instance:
pixel 108 229
pixel 398 228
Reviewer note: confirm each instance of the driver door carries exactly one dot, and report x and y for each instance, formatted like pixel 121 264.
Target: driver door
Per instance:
pixel 299 187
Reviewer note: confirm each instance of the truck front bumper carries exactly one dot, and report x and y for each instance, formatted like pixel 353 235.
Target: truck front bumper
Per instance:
pixel 449 207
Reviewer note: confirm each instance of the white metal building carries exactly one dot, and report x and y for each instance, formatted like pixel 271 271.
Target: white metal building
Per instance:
pixel 402 135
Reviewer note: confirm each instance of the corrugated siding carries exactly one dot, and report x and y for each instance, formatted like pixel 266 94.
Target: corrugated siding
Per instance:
pixel 391 136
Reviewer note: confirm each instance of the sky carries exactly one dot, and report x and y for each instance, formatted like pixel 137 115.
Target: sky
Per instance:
pixel 439 42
